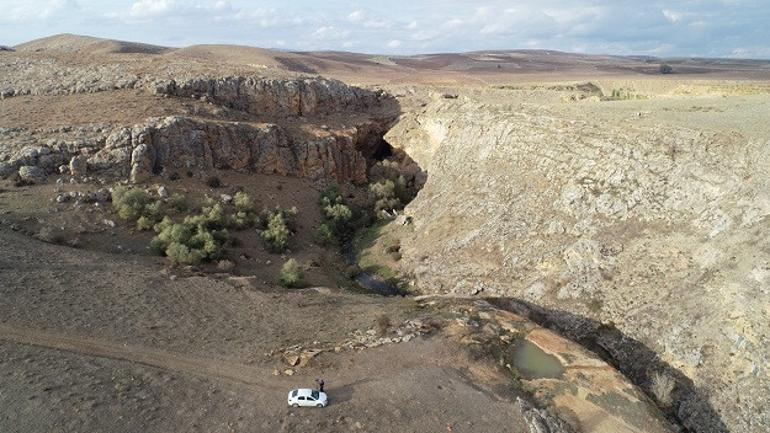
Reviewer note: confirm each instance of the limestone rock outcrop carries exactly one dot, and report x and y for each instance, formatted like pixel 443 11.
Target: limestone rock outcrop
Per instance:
pixel 181 145
pixel 660 231
pixel 301 96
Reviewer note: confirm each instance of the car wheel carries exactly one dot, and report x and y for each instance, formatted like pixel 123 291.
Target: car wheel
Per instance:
pixel 295 405
pixel 319 405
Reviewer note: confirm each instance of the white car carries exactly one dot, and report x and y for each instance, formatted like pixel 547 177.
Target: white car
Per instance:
pixel 307 397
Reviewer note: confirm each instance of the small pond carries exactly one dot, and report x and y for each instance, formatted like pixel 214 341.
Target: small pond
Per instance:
pixel 533 363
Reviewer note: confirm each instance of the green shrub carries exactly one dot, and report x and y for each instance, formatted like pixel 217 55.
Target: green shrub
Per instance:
pixel 332 193
pixel 337 216
pixel 198 238
pixel 325 236
pixel 211 217
pixel 403 191
pixel 383 193
pixel 338 213
pixel 177 202
pixel 291 274
pixel 243 203
pixel 386 169
pixel 144 223
pixel 245 212
pixel 389 190
pixel 130 203
pixel 277 233
pixel 182 254
pixel 135 204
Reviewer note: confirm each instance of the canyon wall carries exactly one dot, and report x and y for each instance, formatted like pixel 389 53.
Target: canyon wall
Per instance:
pixel 306 127
pixel 659 232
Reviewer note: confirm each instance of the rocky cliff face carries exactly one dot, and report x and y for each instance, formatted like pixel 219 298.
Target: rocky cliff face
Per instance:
pixel 300 97
pixel 181 145
pixel 296 142
pixel 660 232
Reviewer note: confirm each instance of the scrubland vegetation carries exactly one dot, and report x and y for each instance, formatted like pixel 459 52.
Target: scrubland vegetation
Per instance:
pixel 389 190
pixel 202 235
pixel 291 274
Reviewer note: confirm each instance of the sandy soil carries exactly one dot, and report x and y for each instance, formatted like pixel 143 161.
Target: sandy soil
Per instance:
pixel 140 352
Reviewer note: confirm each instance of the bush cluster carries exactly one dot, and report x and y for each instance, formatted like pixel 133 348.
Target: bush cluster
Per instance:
pixel 337 224
pixel 198 238
pixel 137 205
pixel 278 226
pixel 187 243
pixel 389 190
pixel 291 274
pixel 203 236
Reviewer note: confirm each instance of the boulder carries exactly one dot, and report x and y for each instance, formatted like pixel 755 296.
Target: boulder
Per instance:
pixel 141 164
pixel 32 174
pixel 402 220
pixel 7 169
pixel 79 166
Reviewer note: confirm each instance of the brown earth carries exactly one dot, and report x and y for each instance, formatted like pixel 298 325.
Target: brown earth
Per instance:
pixel 97 334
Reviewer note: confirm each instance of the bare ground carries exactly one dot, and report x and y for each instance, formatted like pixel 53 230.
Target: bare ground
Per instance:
pixel 95 342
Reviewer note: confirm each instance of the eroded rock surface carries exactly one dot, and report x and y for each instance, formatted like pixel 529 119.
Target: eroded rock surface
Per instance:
pixel 178 144
pixel 660 230
pixel 302 96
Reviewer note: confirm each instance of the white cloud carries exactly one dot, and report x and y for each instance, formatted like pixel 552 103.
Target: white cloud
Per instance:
pixel 331 33
pixel 368 20
pixel 151 8
pixel 356 16
pixel 23 11
pixel 704 27
pixel 671 16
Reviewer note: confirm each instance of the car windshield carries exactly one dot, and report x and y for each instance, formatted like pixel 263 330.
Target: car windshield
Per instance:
pixel 315 395
pixel 294 393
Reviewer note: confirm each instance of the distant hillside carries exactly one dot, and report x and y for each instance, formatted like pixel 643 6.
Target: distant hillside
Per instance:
pixel 66 42
pixel 487 66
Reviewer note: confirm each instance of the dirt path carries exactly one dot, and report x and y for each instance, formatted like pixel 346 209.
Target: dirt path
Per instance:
pixel 210 368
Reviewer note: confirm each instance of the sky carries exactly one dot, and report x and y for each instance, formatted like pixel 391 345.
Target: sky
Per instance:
pixel 697 28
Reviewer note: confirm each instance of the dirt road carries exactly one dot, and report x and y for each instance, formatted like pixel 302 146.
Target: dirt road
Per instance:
pixel 209 368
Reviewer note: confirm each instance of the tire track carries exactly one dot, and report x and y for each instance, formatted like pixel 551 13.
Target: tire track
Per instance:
pixel 204 367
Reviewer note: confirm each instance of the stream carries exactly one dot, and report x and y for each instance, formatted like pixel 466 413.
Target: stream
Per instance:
pixel 367 281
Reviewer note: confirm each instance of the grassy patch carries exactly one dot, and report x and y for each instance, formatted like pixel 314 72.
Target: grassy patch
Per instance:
pixel 377 248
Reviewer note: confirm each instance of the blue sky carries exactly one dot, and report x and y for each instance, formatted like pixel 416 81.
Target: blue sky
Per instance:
pixel 714 28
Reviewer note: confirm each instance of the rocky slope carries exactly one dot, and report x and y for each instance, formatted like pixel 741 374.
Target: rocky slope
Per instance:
pixel 307 126
pixel 658 232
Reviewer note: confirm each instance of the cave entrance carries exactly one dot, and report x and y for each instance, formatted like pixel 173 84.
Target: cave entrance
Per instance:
pixel 382 150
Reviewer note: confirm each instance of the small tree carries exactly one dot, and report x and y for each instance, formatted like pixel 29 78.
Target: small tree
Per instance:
pixel 666 69
pixel 276 235
pixel 384 195
pixel 291 274
pixel 325 236
pixel 131 203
